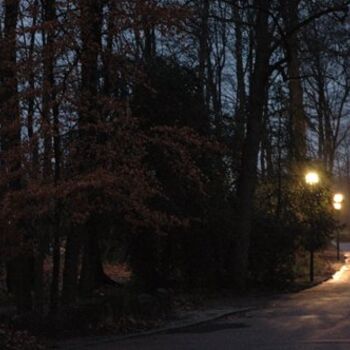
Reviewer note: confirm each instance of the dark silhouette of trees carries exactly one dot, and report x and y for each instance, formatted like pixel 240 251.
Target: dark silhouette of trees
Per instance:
pixel 176 131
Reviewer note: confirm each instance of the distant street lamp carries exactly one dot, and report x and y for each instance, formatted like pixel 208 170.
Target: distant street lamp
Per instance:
pixel 312 178
pixel 338 200
pixel 337 206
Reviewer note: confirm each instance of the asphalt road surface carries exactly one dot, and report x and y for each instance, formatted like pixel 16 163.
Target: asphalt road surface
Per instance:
pixel 317 318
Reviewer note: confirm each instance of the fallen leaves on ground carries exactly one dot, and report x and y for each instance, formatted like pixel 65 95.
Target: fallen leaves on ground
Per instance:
pixel 11 339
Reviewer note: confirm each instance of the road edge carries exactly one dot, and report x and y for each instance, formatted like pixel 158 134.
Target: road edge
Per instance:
pixel 111 339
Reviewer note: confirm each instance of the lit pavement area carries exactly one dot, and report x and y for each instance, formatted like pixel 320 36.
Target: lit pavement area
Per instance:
pixel 318 318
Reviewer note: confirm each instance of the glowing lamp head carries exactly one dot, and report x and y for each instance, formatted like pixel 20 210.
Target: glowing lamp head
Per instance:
pixel 338 198
pixel 312 178
pixel 337 206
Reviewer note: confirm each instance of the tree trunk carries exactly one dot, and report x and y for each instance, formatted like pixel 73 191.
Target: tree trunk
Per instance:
pixel 31 99
pixel 71 266
pixel 56 259
pixel 20 269
pixel 39 281
pixel 89 116
pixel 248 171
pixel 298 121
pixel 92 269
pixel 48 100
pixel 48 34
pixel 241 98
pixel 204 50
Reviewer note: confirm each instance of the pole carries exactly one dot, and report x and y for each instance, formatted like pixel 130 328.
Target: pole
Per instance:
pixel 338 200
pixel 311 265
pixel 338 248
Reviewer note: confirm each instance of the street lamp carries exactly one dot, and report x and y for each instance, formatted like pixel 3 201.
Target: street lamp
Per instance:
pixel 338 200
pixel 337 206
pixel 312 178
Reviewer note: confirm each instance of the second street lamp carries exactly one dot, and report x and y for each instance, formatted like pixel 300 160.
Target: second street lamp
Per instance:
pixel 338 199
pixel 337 206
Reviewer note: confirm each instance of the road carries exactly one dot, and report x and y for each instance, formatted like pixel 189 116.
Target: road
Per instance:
pixel 318 318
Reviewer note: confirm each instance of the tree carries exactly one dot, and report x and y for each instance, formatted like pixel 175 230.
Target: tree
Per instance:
pixel 247 175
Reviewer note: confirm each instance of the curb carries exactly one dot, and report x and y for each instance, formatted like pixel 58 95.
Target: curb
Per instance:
pixel 111 339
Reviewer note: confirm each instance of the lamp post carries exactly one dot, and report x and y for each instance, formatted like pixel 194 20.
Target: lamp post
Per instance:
pixel 312 178
pixel 338 200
